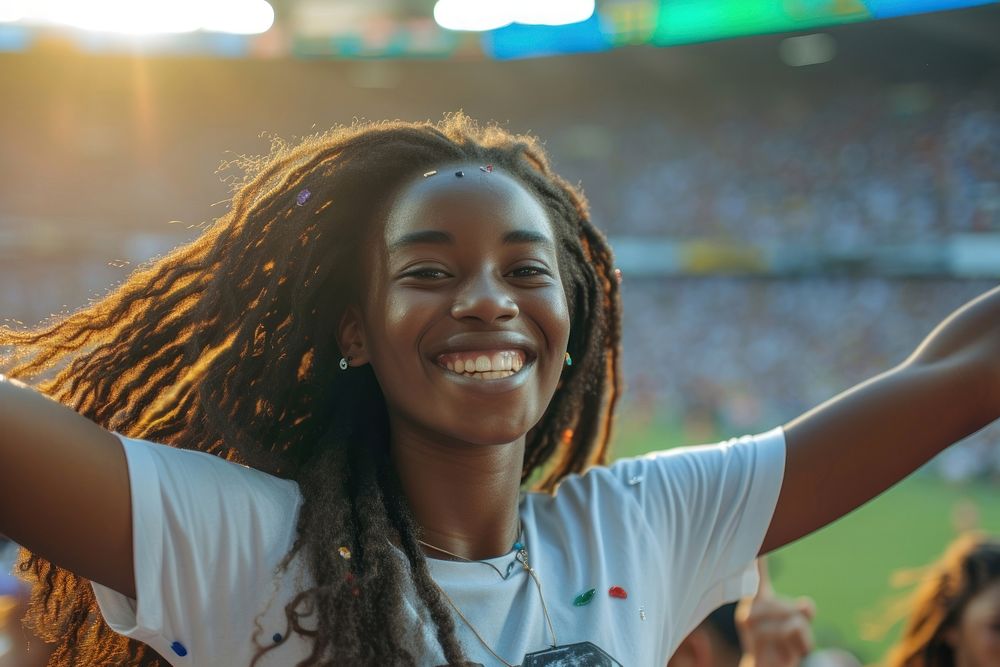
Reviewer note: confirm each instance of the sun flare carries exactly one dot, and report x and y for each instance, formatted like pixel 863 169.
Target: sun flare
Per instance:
pixel 145 17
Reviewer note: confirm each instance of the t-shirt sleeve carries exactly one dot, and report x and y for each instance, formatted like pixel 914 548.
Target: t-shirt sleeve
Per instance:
pixel 207 535
pixel 708 509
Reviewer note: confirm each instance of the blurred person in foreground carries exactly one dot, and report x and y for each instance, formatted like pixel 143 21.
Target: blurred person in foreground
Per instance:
pixel 764 630
pixel 17 647
pixel 953 616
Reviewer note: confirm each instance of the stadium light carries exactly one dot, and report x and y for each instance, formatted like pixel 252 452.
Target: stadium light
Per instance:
pixel 244 17
pixel 471 15
pixel 552 13
pixel 11 10
pixel 479 15
pixel 148 17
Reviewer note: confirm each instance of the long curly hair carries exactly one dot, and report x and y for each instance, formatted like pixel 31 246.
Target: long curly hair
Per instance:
pixel 970 564
pixel 227 345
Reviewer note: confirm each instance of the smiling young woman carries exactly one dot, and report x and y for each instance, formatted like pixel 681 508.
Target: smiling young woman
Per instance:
pixel 393 327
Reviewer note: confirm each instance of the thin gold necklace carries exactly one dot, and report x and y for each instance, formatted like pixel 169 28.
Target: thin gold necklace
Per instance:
pixel 517 545
pixel 522 557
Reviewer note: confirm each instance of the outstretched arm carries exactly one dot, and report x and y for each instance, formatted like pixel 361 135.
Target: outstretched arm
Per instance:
pixel 64 488
pixel 856 445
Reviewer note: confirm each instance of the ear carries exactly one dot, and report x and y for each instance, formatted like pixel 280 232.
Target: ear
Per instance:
pixel 694 651
pixel 351 337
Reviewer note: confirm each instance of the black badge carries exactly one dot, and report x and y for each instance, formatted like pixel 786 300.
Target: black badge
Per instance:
pixel 583 654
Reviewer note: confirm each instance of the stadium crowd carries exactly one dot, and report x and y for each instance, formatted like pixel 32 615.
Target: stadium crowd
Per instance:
pixel 785 346
pixel 879 164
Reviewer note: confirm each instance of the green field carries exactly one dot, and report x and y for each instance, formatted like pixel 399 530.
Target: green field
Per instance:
pixel 847 566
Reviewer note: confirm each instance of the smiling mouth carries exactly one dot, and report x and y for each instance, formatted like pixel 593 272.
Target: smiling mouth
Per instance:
pixel 484 364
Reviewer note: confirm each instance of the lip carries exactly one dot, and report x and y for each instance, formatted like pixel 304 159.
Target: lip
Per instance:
pixel 483 341
pixel 497 386
pixel 480 341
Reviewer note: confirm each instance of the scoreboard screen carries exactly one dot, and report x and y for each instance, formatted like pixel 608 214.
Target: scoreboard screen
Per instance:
pixel 681 21
pixel 670 22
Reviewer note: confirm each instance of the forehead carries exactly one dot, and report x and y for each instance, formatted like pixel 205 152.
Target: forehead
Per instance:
pixel 477 203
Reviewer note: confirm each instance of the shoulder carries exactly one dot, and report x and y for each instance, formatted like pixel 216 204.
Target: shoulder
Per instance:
pixel 196 462
pixel 190 466
pixel 670 486
pixel 208 537
pixel 744 456
pixel 187 484
pixel 747 455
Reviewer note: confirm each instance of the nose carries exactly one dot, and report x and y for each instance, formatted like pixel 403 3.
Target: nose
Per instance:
pixel 486 298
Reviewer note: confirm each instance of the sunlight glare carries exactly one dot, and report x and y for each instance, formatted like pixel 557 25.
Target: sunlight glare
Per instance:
pixel 473 15
pixel 551 13
pixel 478 15
pixel 11 10
pixel 141 17
pixel 243 17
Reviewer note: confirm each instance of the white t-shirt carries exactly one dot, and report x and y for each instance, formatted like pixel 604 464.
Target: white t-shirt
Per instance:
pixel 677 531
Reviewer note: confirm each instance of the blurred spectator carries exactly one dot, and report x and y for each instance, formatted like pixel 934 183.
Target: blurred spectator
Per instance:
pixel 953 616
pixel 714 643
pixel 762 631
pixel 774 631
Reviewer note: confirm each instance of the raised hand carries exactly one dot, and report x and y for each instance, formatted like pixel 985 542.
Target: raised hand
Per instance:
pixel 774 631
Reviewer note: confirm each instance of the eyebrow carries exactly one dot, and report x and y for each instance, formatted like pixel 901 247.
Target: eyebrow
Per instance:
pixel 435 237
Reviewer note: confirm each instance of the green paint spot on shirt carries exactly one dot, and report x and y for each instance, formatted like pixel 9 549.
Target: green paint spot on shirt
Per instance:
pixel 585 598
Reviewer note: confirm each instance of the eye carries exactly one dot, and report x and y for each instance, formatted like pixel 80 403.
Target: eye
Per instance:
pixel 530 271
pixel 425 274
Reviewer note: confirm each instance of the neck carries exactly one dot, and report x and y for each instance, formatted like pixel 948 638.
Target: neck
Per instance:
pixel 463 496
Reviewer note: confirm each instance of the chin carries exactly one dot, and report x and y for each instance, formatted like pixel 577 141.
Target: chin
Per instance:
pixel 491 432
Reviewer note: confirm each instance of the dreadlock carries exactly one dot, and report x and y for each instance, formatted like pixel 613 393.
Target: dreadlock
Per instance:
pixel 224 346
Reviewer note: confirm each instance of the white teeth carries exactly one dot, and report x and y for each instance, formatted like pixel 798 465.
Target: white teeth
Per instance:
pixel 489 375
pixel 488 366
pixel 501 361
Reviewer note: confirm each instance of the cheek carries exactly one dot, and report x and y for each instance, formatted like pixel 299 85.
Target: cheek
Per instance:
pixel 991 641
pixel 553 319
pixel 981 645
pixel 407 314
pixel 399 313
pixel 561 317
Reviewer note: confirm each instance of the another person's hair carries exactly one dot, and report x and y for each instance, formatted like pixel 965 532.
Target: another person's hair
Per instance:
pixel 228 345
pixel 969 565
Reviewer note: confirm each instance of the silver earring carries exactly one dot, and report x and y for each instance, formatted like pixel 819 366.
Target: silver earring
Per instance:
pixel 343 364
